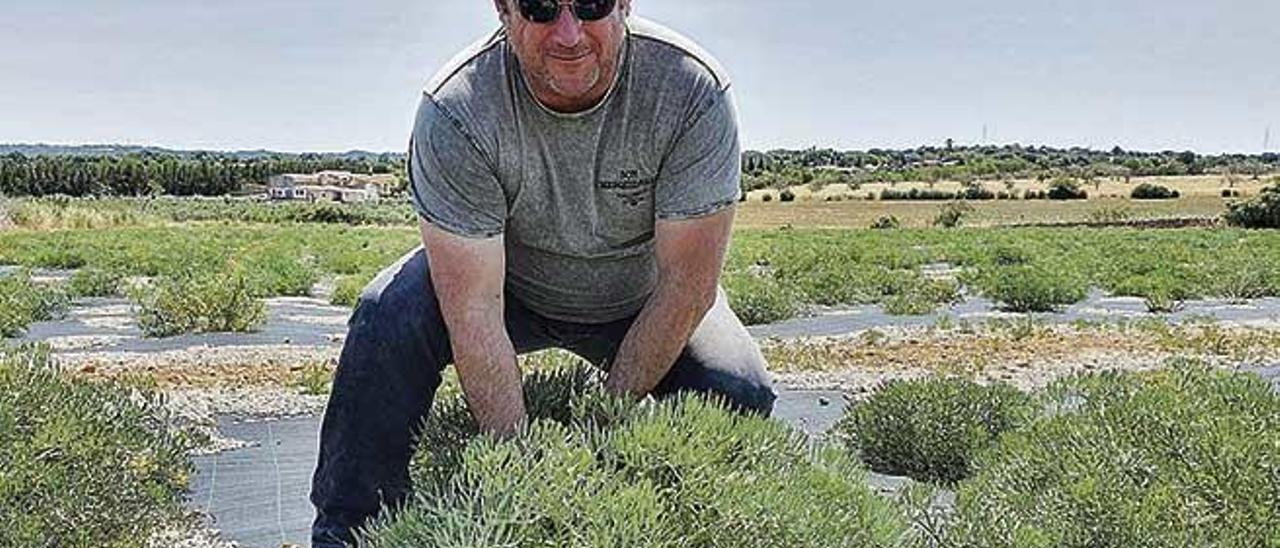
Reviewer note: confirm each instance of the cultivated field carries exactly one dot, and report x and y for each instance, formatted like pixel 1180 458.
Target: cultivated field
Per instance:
pixel 837 206
pixel 1021 386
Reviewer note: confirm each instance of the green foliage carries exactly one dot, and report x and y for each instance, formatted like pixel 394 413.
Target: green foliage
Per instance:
pixel 1066 189
pixel 1033 287
pixel 921 296
pixel 759 299
pixel 347 290
pixel 83 464
pixel 595 471
pixel 199 302
pixel 932 430
pixel 1148 191
pixel 1262 211
pixel 95 282
pixel 918 194
pixel 786 195
pixel 315 379
pixel 131 172
pixel 23 301
pixel 1182 457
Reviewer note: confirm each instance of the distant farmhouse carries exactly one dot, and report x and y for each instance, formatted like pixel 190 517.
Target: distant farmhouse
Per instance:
pixel 328 186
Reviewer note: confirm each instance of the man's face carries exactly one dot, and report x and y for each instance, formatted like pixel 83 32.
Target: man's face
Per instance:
pixel 569 64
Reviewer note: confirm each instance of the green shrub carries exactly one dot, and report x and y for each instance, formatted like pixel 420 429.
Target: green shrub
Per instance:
pixel 923 194
pixel 596 471
pixel 1065 189
pixel 977 192
pixel 1262 211
pixel 199 303
pixel 1182 457
pixel 932 429
pixel 1148 191
pixel 767 197
pixel 787 195
pixel 276 271
pixel 95 282
pixel 1230 193
pixel 347 289
pixel 922 296
pixel 23 301
pixel 1032 287
pixel 83 464
pixel 759 299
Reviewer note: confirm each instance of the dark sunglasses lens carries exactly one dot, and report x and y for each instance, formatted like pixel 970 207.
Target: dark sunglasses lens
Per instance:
pixel 593 10
pixel 540 11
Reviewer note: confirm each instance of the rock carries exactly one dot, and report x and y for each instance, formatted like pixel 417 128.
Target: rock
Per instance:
pixel 823 401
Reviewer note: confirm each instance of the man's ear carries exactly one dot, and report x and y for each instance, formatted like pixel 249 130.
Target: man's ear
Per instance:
pixel 625 7
pixel 501 6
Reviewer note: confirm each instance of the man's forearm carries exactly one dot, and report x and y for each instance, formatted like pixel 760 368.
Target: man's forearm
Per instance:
pixel 655 340
pixel 490 380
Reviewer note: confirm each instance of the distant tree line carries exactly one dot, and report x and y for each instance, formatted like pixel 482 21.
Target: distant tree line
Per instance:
pixel 135 172
pixel 821 166
pixel 179 174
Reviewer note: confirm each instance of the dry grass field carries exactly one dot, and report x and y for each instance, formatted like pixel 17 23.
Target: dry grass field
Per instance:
pixel 1201 197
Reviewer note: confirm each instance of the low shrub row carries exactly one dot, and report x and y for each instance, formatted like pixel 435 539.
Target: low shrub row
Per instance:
pixel 1185 456
pixel 596 471
pixel 84 464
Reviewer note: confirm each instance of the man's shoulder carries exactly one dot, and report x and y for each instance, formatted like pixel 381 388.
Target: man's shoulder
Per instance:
pixel 663 49
pixel 477 67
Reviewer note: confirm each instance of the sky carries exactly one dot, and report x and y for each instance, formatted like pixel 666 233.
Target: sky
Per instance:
pixel 336 75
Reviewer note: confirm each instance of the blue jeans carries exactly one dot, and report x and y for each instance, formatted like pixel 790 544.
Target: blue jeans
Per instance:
pixel 390 367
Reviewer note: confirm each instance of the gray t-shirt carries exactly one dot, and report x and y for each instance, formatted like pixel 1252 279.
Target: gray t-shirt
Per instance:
pixel 576 195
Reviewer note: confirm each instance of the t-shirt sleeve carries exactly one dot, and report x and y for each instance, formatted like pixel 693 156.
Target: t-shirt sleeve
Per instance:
pixel 701 175
pixel 453 186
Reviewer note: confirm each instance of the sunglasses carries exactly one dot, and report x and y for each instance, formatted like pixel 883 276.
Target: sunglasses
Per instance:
pixel 546 11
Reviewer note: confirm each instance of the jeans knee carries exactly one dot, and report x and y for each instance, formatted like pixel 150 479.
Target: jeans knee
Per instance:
pixel 755 398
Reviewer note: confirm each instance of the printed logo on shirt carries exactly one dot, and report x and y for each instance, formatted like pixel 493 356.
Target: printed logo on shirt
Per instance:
pixel 629 187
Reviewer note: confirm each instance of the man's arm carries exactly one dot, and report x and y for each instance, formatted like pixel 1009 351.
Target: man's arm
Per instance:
pixel 690 254
pixel 468 275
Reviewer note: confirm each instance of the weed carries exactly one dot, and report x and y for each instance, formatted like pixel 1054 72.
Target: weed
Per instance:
pixel 315 379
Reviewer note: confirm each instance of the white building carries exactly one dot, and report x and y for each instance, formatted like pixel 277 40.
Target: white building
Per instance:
pixel 332 186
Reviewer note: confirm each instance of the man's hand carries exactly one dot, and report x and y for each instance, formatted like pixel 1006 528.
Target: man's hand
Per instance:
pixel 690 254
pixel 468 275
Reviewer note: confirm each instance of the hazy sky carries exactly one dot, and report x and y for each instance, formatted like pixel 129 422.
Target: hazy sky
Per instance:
pixel 329 75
